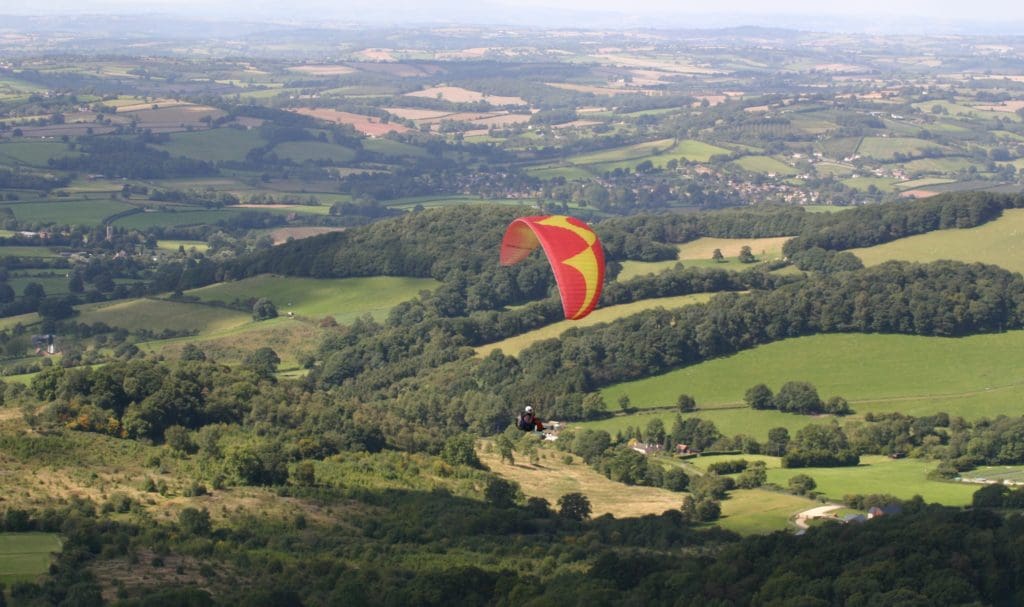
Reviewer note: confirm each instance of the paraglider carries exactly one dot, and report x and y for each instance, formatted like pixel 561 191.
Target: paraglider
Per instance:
pixel 572 249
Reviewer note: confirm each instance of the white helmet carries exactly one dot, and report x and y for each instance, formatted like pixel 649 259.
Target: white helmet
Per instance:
pixel 529 409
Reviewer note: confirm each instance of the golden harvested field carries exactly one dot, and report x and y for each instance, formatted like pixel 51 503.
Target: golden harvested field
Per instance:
pixel 376 54
pixel 702 248
pixel 322 70
pixel 1006 106
pixel 597 90
pixel 364 124
pixel 416 113
pixel 281 235
pixel 552 478
pixel 458 94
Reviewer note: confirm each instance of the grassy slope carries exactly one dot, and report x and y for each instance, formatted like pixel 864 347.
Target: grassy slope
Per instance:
pixel 23 556
pixel 214 144
pixel 345 299
pixel 698 253
pixel 156 315
pixel 971 376
pixel 997 242
pixel 68 211
pixel 515 345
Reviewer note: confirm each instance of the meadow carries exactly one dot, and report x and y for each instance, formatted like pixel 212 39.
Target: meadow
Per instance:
pixel 214 145
pixel 516 344
pixel 698 253
pixel 972 376
pixel 173 245
pixel 345 298
pixel 156 315
pixel 302 151
pixel 658 152
pixel 902 478
pixel 884 148
pixel 765 164
pixel 25 556
pixel 34 153
pixel 997 242
pixel 67 211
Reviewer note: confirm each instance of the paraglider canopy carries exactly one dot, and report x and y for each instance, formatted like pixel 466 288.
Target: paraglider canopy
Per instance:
pixel 572 249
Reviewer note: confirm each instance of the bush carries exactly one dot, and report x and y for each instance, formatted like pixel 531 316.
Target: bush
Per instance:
pixel 574 506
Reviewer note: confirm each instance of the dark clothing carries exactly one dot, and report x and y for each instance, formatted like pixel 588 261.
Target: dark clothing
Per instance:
pixel 529 422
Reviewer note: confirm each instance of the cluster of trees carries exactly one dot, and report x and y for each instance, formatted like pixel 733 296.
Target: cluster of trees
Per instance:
pixel 795 397
pixel 131 158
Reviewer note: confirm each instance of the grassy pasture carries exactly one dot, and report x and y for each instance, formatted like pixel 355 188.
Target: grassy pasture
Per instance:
pixel 884 184
pixel 214 144
pixel 34 153
pixel 997 473
pixel 156 315
pixel 25 251
pixel 765 164
pixel 972 376
pixel 301 151
pixel 169 219
pixel 570 173
pixel 25 556
pixel 658 152
pixel 516 344
pixel 834 169
pixel 884 148
pixel 53 285
pixel 921 183
pixel 730 421
pixel 997 242
pixel 948 164
pixel 346 298
pixel 903 478
pixel 67 211
pixel 698 253
pixel 752 511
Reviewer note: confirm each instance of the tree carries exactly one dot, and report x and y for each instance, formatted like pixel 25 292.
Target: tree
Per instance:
pixel 191 352
pixel 759 397
pixel 624 403
pixel 778 441
pixel 305 474
pixel 264 309
pixel 263 362
pixel 746 256
pixel 500 493
pixel 686 403
pixel 655 432
pixel 837 405
pixel 75 283
pixel 505 450
pixel 717 256
pixel 798 397
pixel 575 506
pixel 802 484
pixel 178 439
pixel 753 477
pixel 675 479
pixel 6 293
pixel 194 521
pixel 34 290
pixel 590 444
pixel 460 450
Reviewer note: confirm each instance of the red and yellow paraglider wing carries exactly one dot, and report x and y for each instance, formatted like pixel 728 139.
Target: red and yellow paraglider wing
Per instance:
pixel 572 249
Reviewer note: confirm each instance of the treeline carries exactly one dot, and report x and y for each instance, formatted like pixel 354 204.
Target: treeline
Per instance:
pixel 30 181
pixel 875 224
pixel 131 158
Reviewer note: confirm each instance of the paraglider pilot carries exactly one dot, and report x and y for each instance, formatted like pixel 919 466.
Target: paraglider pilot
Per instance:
pixel 528 422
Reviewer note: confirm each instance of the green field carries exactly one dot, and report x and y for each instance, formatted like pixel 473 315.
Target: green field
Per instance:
pixel 697 253
pixel 903 478
pixel 301 151
pixel 52 285
pixel 24 251
pixel 214 144
pixel 997 242
pixel 883 148
pixel 948 164
pixel 884 184
pixel 765 164
pixel 515 345
pixel 345 298
pixel 25 556
pixel 169 219
pixel 569 173
pixel 34 153
pixel 921 183
pixel 971 376
pixel 658 152
pixel 997 473
pixel 65 211
pixel 156 315
pixel 750 511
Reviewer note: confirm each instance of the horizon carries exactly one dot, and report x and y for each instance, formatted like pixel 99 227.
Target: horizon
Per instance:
pixel 916 17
